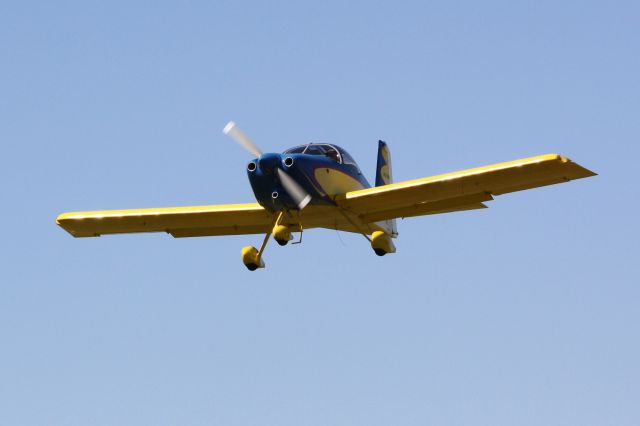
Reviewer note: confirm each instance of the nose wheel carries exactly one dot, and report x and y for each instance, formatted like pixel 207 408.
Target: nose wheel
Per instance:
pixel 252 257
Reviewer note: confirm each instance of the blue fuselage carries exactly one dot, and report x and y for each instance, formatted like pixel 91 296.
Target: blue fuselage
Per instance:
pixel 320 176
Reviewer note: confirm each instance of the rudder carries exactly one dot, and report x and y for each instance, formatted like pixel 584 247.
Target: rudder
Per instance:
pixel 384 176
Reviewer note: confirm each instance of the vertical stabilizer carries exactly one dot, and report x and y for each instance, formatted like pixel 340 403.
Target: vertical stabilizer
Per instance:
pixel 384 176
pixel 383 170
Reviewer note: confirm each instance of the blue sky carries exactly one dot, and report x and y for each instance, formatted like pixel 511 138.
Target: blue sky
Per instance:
pixel 525 313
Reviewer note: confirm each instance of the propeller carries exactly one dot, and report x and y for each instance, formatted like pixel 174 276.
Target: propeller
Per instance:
pixel 234 132
pixel 299 195
pixel 293 188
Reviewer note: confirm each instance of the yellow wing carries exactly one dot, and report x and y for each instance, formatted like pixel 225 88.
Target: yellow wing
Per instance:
pixel 201 221
pixel 232 219
pixel 463 190
pixel 356 211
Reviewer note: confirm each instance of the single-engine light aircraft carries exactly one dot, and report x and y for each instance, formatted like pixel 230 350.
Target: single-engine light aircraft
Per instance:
pixel 319 185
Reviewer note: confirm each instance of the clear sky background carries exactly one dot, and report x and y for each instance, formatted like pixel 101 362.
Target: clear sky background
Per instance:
pixel 526 313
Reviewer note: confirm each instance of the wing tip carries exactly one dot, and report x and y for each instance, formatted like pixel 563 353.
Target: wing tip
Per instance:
pixel 582 172
pixel 65 221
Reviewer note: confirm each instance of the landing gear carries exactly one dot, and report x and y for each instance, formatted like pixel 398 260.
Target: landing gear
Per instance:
pixel 252 257
pixel 381 243
pixel 379 252
pixel 282 234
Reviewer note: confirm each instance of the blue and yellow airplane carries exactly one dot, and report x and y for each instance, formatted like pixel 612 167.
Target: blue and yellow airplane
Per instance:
pixel 319 185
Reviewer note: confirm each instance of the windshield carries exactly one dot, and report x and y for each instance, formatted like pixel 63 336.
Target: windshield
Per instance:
pixel 346 158
pixel 296 150
pixel 317 149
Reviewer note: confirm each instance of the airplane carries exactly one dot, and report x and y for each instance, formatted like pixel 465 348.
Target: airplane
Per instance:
pixel 319 185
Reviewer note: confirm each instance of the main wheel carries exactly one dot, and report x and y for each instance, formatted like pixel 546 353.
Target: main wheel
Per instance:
pixel 251 258
pixel 379 251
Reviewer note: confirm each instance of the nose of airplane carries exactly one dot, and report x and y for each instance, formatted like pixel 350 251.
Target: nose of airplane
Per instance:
pixel 269 162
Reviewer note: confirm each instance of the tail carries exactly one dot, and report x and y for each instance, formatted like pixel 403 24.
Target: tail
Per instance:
pixel 383 170
pixel 384 176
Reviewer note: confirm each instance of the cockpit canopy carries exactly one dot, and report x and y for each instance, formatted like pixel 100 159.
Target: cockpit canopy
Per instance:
pixel 331 151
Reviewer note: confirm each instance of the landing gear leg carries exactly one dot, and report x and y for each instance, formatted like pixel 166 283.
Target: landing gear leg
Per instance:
pixel 251 256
